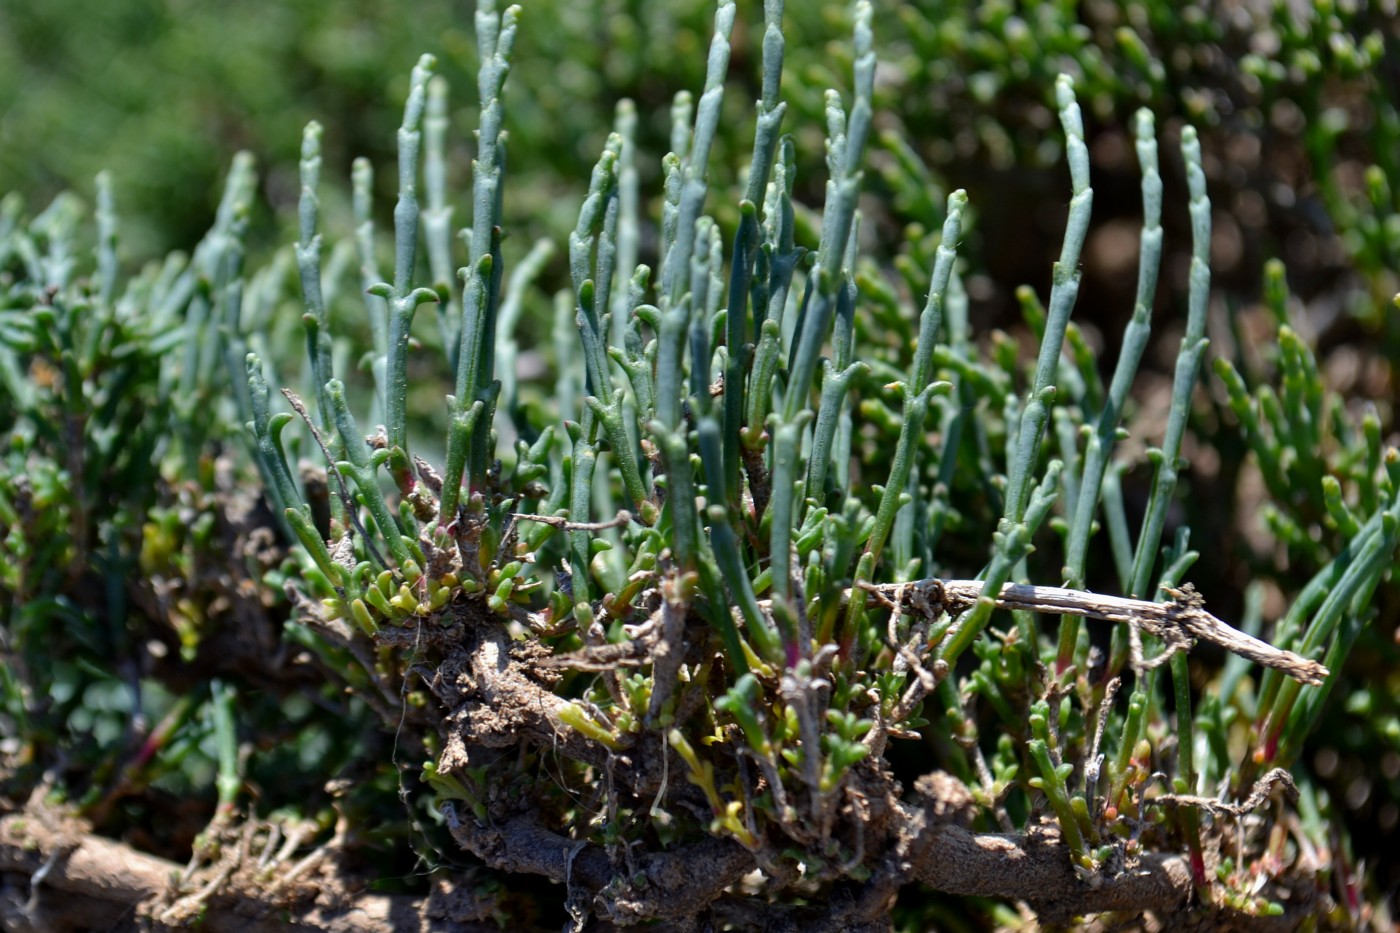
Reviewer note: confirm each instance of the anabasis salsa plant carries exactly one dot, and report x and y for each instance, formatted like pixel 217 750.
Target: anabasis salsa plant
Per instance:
pixel 768 604
pixel 668 643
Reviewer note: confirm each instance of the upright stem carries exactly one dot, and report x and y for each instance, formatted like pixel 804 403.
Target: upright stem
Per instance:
pixel 1063 291
pixel 1167 460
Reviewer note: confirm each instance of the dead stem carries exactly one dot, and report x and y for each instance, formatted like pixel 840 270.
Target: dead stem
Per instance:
pixel 623 518
pixel 1177 622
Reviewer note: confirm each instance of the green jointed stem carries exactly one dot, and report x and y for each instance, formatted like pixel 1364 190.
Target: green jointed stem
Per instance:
pixel 1370 475
pixel 1289 632
pixel 1063 291
pixel 406 210
pixel 1185 751
pixel 736 336
pixel 1302 397
pixel 917 390
pixel 956 416
pixel 362 468
pixel 680 498
pixel 401 297
pixel 220 258
pixel 844 325
pixel 787 439
pixel 631 354
pixel 629 220
pixel 682 117
pixel 1009 547
pixel 670 348
pixel 1188 364
pixel 783 262
pixel 725 544
pixel 716 612
pixel 229 780
pixel 1132 730
pixel 591 264
pixel 835 383
pixel 707 245
pixel 1358 612
pixel 692 184
pixel 605 258
pixel 315 319
pixel 476 333
pixel 1135 337
pixel 266 430
pixel 673 179
pixel 1052 782
pixel 106 216
pixel 524 274
pixel 495 38
pixel 583 460
pixel 746 245
pixel 1185 781
pixel 583 243
pixel 216 249
pixel 477 283
pixel 847 136
pixel 829 440
pixel 437 216
pixel 310 539
pixel 362 183
pixel 848 145
pixel 1066 434
pixel 1266 450
pixel 611 417
pixel 308 253
pixel 1371 552
pixel 459 438
pixel 1115 516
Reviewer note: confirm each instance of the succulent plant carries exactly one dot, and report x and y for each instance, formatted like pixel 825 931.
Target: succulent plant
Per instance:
pixel 767 604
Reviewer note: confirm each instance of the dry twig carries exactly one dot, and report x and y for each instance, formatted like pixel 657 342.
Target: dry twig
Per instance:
pixel 1177 622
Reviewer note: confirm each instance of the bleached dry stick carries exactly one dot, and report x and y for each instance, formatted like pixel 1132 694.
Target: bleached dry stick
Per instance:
pixel 558 521
pixel 1177 622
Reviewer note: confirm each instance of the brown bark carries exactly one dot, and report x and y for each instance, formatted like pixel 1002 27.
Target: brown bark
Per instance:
pixel 56 877
pixel 672 885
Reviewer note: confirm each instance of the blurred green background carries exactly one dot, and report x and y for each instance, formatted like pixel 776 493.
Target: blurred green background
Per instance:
pixel 163 93
pixel 1295 107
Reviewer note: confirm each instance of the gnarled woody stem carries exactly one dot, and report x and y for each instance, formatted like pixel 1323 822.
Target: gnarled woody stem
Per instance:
pixel 932 845
pixel 677 884
pixel 74 880
pixel 1177 622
